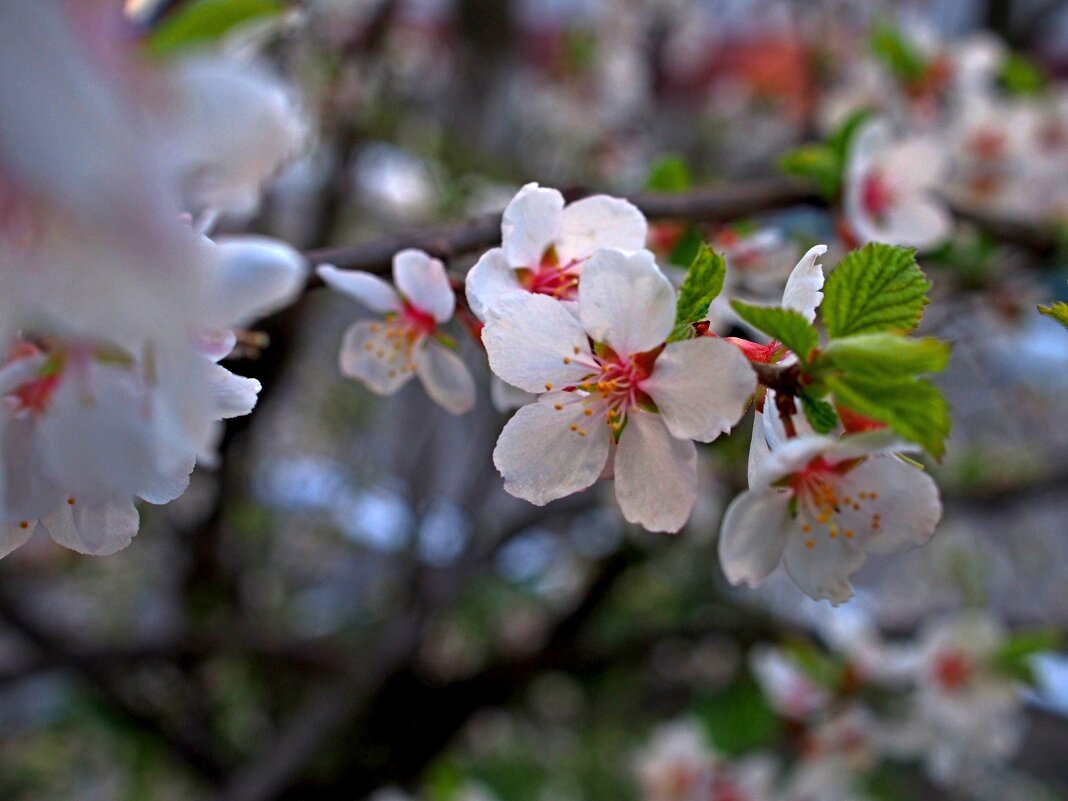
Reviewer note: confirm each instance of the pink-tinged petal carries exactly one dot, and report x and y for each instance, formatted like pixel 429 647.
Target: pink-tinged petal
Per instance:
pixel 600 222
pixel 424 282
pixel 93 530
pixel 232 395
pixel 370 290
pixel 490 280
pixel 656 474
pixel 545 453
pixel 803 287
pixel 626 301
pixel 217 345
pixel 819 564
pixel 445 378
pixel 906 502
pixel 253 277
pixel 701 386
pixel 759 450
pixel 383 363
pixel 923 223
pixel 531 224
pixel 753 535
pixel 535 343
pixel 15 535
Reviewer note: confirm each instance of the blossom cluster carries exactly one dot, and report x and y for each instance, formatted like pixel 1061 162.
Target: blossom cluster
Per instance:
pixel 117 306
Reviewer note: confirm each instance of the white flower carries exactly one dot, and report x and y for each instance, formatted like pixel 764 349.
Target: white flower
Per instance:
pixel 818 505
pixel 789 690
pixel 890 189
pixel 545 243
pixel 605 375
pixel 676 764
pixel 385 355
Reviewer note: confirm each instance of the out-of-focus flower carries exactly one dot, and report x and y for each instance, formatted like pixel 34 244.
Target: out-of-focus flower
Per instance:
pixel 628 399
pixel 544 245
pixel 676 764
pixel 818 505
pixel 385 355
pixel 890 189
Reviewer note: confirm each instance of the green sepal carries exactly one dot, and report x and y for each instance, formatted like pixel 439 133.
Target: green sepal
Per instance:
pixel 788 326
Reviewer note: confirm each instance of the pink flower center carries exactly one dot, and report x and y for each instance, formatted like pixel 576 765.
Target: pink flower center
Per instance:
pixel 552 278
pixel 613 386
pixel 827 501
pixel 952 669
pixel 417 323
pixel 877 196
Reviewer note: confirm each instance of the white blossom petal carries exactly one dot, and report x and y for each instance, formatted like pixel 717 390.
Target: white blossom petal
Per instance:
pixel 163 487
pixel 922 223
pixel 543 456
pixel 254 276
pixel 907 502
pixel 424 282
pixel 232 395
pixel 445 377
pixel 758 446
pixel 656 474
pixel 701 386
pixel 93 530
pixel 383 363
pixel 15 535
pixel 531 224
pixel 626 301
pixel 803 287
pixel 820 565
pixel 370 290
pixel 535 343
pixel 598 222
pixel 491 279
pixel 753 536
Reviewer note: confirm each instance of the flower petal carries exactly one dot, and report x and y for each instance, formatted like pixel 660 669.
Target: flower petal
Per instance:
pixel 383 363
pixel 656 474
pixel 543 458
pixel 254 276
pixel 701 386
pixel 758 446
pixel 626 301
pixel 163 487
pixel 923 223
pixel 803 287
pixel 907 502
pixel 424 282
pixel 232 395
pixel 445 377
pixel 598 222
pixel 535 343
pixel 752 537
pixel 491 279
pixel 819 564
pixel 531 224
pixel 93 530
pixel 15 535
pixel 370 290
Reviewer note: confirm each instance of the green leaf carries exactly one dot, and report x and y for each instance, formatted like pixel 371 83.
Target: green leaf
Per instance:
pixel 1021 76
pixel 893 49
pixel 877 288
pixel 204 21
pixel 883 356
pixel 702 285
pixel 1058 311
pixel 786 325
pixel 820 414
pixel 1015 656
pixel 914 408
pixel 739 719
pixel 669 174
pixel 817 163
pixel 842 136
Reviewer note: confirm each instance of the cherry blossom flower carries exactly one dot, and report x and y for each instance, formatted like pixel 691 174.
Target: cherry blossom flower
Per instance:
pixel 544 245
pixel 386 354
pixel 890 189
pixel 611 393
pixel 818 505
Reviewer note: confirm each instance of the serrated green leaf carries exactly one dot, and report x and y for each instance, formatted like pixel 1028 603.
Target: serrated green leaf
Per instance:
pixel 785 325
pixel 914 408
pixel 820 414
pixel 818 163
pixel 1058 311
pixel 702 285
pixel 877 288
pixel 204 21
pixel 897 53
pixel 669 174
pixel 883 356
